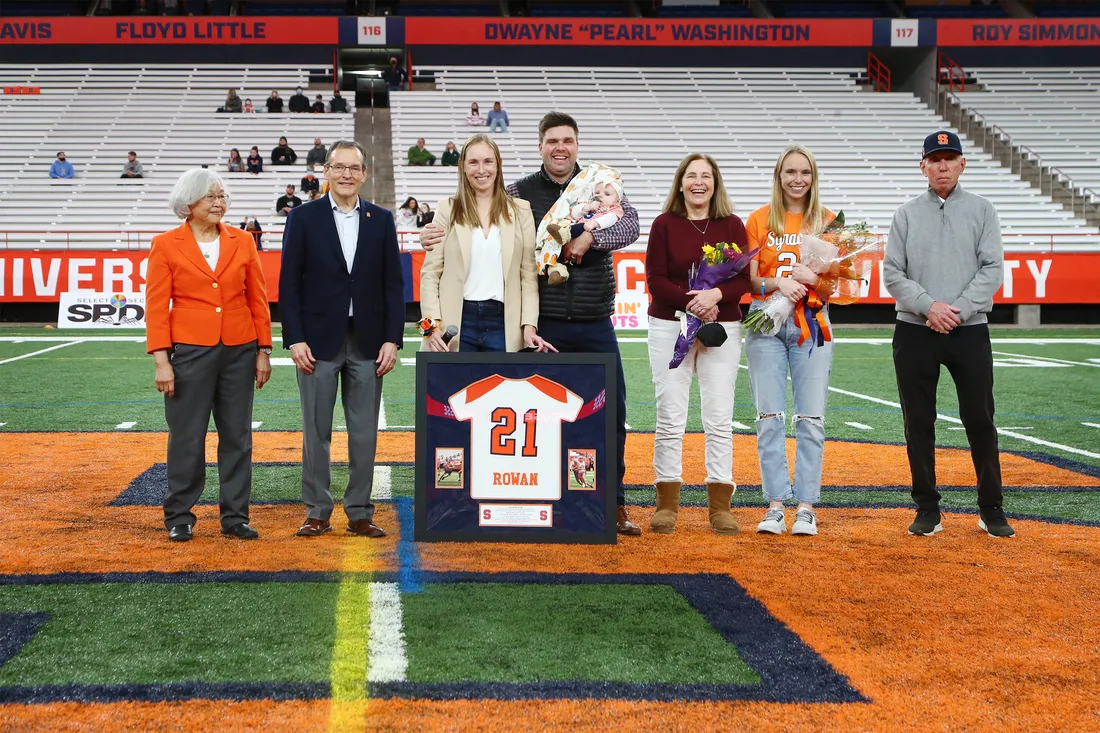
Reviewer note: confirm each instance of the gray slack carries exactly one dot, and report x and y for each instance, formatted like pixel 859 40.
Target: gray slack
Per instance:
pixel 361 392
pixel 219 379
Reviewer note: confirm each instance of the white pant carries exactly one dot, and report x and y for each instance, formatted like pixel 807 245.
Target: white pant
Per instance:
pixel 716 369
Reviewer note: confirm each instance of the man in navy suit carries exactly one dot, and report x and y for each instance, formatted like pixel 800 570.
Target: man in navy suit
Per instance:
pixel 342 303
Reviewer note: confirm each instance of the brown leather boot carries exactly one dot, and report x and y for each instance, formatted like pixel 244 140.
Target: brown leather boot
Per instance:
pixel 668 504
pixel 624 526
pixel 718 500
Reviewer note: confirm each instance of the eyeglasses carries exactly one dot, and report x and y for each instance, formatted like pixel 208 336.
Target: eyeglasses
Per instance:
pixel 212 197
pixel 340 169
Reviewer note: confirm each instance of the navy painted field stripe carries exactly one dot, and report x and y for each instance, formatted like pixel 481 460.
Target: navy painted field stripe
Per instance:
pixel 570 690
pixel 16 631
pixel 756 488
pixel 165 692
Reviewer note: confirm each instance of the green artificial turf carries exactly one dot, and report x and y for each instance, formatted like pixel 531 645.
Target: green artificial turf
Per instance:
pixel 158 632
pixel 487 632
pixel 280 482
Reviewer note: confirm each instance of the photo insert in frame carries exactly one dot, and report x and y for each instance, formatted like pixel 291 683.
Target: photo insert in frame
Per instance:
pixel 581 468
pixel 449 463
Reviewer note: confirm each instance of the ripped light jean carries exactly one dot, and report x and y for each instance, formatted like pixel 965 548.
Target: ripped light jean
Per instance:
pixel 770 358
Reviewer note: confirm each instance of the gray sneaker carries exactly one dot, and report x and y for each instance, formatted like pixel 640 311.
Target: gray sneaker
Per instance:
pixel 774 523
pixel 805 522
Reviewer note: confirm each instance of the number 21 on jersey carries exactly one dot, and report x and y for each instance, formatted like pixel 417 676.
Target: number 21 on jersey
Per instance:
pixel 504 426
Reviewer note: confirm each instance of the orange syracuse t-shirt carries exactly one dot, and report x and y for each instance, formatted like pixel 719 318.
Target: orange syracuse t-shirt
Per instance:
pixel 778 252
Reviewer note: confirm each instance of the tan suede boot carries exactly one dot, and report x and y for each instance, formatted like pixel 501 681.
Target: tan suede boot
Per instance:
pixel 718 500
pixel 668 504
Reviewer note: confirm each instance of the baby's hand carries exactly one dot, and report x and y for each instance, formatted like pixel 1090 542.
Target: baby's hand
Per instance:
pixel 591 225
pixel 592 206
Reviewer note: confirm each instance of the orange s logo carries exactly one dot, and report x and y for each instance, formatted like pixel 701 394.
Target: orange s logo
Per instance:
pixel 942 139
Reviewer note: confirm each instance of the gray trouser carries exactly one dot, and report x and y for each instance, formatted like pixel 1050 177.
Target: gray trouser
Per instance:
pixel 221 379
pixel 361 392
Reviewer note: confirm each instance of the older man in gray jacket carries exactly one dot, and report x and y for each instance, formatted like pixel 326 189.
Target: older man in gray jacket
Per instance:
pixel 944 262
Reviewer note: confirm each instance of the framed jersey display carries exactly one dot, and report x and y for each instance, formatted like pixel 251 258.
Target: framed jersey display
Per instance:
pixel 515 447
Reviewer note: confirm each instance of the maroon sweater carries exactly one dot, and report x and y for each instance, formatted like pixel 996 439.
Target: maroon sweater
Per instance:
pixel 675 244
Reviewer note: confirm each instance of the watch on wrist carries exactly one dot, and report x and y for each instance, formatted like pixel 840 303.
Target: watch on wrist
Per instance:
pixel 264 350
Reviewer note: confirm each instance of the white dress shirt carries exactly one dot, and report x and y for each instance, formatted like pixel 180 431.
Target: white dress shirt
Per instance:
pixel 211 251
pixel 485 276
pixel 347 226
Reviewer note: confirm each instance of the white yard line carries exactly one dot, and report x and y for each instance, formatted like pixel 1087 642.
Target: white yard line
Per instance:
pixel 1051 359
pixel 386 658
pixel 400 427
pixel 281 361
pixel 40 351
pixel 382 424
pixel 125 425
pixel 740 426
pixel 256 424
pixel 383 483
pixel 627 425
pixel 858 426
pixel 1086 424
pixel 75 339
pixel 2 424
pixel 887 340
pixel 408 362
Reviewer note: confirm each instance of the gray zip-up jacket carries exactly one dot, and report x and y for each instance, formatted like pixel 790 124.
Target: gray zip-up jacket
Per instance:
pixel 949 251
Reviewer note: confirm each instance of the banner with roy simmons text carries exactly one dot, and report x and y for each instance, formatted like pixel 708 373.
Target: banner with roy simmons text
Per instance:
pixel 36 276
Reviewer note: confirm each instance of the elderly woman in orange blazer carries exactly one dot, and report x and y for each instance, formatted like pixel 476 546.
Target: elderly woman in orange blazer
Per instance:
pixel 483 278
pixel 208 328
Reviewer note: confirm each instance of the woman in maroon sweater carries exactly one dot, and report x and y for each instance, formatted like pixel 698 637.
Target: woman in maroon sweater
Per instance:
pixel 697 212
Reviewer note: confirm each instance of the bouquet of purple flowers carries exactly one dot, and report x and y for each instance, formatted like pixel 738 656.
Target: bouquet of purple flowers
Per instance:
pixel 720 262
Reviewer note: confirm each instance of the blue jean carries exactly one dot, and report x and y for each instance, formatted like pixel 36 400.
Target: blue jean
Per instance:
pixel 770 358
pixel 482 326
pixel 498 126
pixel 594 337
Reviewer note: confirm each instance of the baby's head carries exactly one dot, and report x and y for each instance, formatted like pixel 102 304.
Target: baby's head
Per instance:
pixel 608 193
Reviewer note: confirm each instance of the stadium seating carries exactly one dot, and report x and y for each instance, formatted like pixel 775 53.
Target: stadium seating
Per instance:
pixel 644 121
pixel 1051 111
pixel 167 115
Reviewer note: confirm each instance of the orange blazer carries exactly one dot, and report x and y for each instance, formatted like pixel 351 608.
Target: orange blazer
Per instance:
pixel 188 303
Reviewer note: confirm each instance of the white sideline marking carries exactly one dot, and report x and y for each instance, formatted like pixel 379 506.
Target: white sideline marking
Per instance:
pixel 40 351
pixel 956 421
pixel 2 424
pixel 341 427
pixel 382 424
pixel 740 426
pixel 256 424
pixel 1051 359
pixel 386 659
pixel 125 425
pixel 1086 424
pixel 400 427
pixel 281 361
pixel 383 482
pixel 627 425
pixel 408 362
pixel 1007 427
pixel 1095 361
pixel 859 426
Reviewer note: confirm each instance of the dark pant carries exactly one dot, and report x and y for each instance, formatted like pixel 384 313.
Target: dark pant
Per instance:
pixel 210 378
pixel 966 352
pixel 482 326
pixel 594 337
pixel 576 230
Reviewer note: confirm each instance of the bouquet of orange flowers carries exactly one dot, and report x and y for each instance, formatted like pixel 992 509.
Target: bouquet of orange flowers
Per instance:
pixel 842 256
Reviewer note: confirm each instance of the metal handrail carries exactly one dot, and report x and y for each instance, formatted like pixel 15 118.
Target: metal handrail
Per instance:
pixel 877 72
pixel 1087 194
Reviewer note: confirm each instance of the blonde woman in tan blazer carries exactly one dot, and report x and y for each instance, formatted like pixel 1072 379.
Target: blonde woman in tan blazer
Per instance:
pixel 483 278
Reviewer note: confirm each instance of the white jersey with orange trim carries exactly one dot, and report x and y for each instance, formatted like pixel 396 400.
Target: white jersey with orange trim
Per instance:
pixel 515 435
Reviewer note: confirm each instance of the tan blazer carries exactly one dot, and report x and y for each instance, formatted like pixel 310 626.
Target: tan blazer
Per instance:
pixel 443 274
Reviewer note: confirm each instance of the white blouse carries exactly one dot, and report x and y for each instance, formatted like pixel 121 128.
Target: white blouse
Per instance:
pixel 485 276
pixel 210 252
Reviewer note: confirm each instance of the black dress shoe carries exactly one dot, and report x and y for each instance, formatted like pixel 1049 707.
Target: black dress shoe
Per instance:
pixel 241 531
pixel 180 533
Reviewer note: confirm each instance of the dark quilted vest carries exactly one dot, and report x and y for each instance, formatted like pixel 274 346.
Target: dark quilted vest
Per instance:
pixel 589 293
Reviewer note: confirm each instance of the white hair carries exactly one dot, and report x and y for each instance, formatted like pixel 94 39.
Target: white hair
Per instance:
pixel 192 186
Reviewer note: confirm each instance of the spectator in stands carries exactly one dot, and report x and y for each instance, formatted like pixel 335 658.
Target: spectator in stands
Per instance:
pixel 169 7
pixel 395 77
pixel 141 8
pixel 310 184
pixel 406 214
pixel 252 225
pixel 577 317
pixel 777 229
pixel 62 168
pixel 248 108
pixel 318 106
pixel 283 154
pixel 211 347
pixel 236 165
pixel 944 263
pixel 255 163
pixel 299 102
pixel 475 117
pixel 132 168
pixel 287 202
pixel 697 211
pixel 498 119
pixel 486 284
pixel 338 104
pixel 274 103
pixel 425 216
pixel 450 155
pixel 419 155
pixel 316 155
pixel 232 102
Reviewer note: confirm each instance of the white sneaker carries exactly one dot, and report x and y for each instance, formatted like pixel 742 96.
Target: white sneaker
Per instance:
pixel 805 522
pixel 774 523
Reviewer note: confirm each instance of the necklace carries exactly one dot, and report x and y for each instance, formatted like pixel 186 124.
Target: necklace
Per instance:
pixel 701 231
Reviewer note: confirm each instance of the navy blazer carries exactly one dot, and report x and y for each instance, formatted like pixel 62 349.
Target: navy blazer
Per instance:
pixel 315 287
